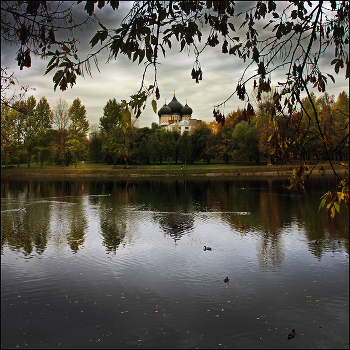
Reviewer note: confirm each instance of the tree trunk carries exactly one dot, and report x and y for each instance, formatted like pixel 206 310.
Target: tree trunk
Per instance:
pixel 125 151
pixel 269 161
pixel 6 158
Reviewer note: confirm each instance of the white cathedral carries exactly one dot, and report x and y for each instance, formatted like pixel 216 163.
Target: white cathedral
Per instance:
pixel 175 116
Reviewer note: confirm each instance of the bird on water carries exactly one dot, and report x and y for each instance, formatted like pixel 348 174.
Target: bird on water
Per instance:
pixel 291 334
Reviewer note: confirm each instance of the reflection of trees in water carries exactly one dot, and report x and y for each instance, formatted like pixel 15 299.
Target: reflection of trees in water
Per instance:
pixel 165 195
pixel 231 198
pixel 113 229
pixel 337 230
pixel 266 214
pixel 77 226
pixel 175 224
pixel 38 223
pixel 58 217
pixel 114 221
pixel 317 225
pixel 13 234
pixel 270 212
pixel 172 202
pixel 271 209
pixel 59 226
pixel 270 251
pixel 239 223
pixel 68 225
pixel 156 196
pixel 26 230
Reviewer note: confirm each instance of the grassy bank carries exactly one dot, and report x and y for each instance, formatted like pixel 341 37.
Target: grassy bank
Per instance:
pixel 199 169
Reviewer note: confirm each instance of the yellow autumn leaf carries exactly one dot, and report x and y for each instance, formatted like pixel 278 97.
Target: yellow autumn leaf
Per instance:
pixel 332 212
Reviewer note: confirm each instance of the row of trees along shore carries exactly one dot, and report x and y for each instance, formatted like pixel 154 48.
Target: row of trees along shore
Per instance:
pixel 33 132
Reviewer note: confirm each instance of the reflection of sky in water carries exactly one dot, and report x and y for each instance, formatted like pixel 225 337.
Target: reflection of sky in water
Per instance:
pixel 128 267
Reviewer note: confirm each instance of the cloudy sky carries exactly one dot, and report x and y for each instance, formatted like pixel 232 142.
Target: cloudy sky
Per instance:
pixel 121 78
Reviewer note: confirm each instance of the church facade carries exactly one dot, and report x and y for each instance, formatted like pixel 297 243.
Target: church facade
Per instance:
pixel 175 116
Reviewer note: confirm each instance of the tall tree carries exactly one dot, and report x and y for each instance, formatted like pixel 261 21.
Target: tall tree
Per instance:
pixel 140 140
pixel 95 148
pixel 223 142
pixel 43 114
pixel 312 140
pixel 60 121
pixel 264 108
pixel 114 125
pixel 169 146
pixel 340 113
pixel 234 117
pixel 43 118
pixel 185 147
pixel 30 128
pixel 143 154
pixel 8 135
pixel 210 149
pixel 245 141
pixel 153 148
pixel 326 120
pixel 60 117
pixel 77 115
pixel 199 140
pixel 20 110
pixel 112 116
pixel 78 129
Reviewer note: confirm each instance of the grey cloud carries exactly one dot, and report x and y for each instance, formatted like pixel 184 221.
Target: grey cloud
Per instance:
pixel 121 78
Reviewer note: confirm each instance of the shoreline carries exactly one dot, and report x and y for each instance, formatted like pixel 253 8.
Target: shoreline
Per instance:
pixel 234 172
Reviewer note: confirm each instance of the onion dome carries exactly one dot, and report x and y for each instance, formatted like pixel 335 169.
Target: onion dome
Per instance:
pixel 175 105
pixel 164 110
pixel 186 110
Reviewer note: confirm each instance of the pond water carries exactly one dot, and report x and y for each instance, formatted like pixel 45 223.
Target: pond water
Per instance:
pixel 121 264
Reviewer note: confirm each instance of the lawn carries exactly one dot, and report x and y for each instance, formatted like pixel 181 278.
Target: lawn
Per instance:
pixel 216 168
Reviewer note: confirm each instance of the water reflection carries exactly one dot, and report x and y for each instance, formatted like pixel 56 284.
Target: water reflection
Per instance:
pixel 60 212
pixel 26 230
pixel 175 224
pixel 270 252
pixel 113 226
pixel 93 264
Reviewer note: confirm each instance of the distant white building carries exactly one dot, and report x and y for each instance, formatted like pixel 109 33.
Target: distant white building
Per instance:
pixel 175 116
pixel 183 125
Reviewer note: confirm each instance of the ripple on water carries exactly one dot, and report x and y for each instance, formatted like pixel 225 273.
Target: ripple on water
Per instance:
pixel 140 274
